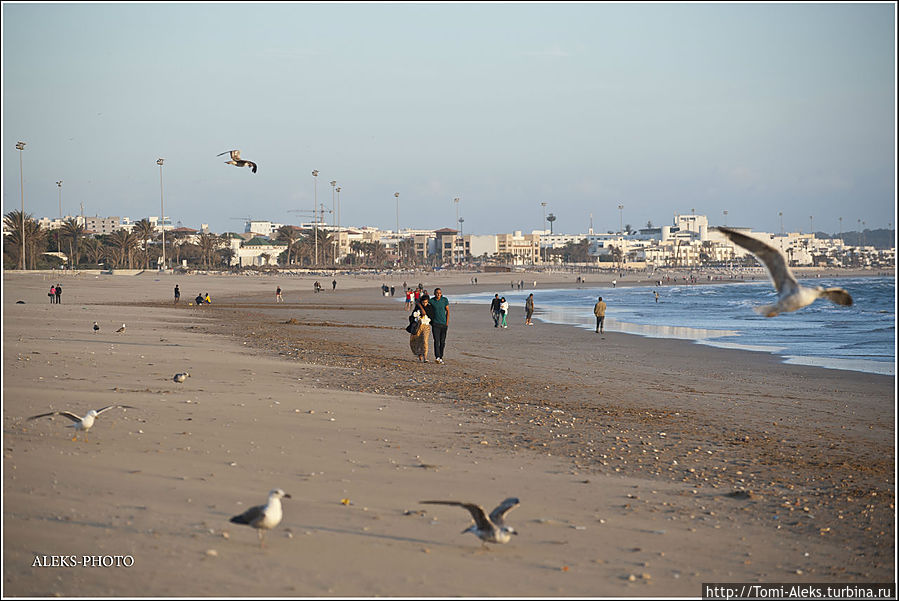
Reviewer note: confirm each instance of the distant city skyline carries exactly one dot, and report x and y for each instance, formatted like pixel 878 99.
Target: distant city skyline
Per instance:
pixel 756 109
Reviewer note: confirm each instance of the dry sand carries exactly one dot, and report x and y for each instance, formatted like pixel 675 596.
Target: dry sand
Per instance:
pixel 644 467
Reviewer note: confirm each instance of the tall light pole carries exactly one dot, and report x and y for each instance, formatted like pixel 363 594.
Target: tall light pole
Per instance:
pixel 725 217
pixel 338 223
pixel 161 210
pixel 811 229
pixel 59 185
pixel 781 215
pixel 333 183
pixel 620 218
pixel 456 202
pixel 841 228
pixel 314 208
pixel 20 146
pixel 543 204
pixel 397 196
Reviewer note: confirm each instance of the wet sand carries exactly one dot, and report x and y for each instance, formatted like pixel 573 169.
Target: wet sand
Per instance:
pixel 644 466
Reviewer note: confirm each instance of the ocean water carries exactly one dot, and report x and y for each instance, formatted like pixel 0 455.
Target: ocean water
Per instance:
pixel 858 338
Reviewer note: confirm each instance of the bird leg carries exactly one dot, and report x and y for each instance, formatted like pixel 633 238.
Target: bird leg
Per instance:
pixel 261 533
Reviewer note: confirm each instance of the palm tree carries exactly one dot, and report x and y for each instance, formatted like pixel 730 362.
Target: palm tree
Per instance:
pixel 73 230
pixel 145 232
pixel 124 243
pixel 406 249
pixel 291 235
pixel 208 244
pixel 93 249
pixel 13 223
pixel 226 255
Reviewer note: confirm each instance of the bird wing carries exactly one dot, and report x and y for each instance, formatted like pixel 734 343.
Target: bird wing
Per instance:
pixel 67 414
pixel 838 296
pixel 253 165
pixel 476 511
pixel 99 411
pixel 231 152
pixel 773 259
pixel 497 515
pixel 249 516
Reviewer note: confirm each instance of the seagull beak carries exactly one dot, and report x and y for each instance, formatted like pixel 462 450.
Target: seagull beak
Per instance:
pixel 287 496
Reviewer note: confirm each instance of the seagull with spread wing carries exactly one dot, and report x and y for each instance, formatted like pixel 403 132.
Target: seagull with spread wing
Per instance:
pixel 237 161
pixel 82 423
pixel 492 528
pixel 791 295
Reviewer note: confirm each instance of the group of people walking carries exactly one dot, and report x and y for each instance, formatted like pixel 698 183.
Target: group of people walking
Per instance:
pixel 499 309
pixel 429 319
pixel 55 294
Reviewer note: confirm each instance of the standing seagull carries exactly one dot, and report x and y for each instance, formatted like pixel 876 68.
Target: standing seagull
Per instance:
pixel 121 330
pixel 181 377
pixel 96 327
pixel 791 295
pixel 263 517
pixel 489 530
pixel 237 161
pixel 82 423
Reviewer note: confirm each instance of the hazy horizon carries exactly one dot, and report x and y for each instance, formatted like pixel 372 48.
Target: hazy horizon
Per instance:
pixel 755 109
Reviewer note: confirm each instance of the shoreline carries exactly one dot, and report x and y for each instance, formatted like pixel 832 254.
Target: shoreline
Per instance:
pixel 680 463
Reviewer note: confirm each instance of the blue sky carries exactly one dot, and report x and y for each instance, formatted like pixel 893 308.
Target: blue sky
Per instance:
pixel 750 108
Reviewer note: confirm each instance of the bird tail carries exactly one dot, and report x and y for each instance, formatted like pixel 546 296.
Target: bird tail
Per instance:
pixel 239 519
pixel 838 296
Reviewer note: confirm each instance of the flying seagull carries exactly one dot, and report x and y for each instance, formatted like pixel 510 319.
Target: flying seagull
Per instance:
pixel 82 423
pixel 181 377
pixel 490 529
pixel 237 161
pixel 263 517
pixel 96 327
pixel 121 330
pixel 791 295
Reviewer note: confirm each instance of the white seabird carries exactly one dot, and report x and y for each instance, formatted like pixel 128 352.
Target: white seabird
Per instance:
pixel 791 295
pixel 181 377
pixel 237 161
pixel 96 327
pixel 490 529
pixel 121 330
pixel 263 517
pixel 82 423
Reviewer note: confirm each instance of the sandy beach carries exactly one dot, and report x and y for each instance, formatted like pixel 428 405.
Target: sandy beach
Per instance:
pixel 645 467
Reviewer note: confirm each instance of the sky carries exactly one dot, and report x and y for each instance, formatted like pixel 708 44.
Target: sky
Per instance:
pixel 753 109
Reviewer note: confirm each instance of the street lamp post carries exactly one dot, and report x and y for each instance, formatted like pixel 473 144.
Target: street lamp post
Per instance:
pixel 333 183
pixel 397 196
pixel 338 223
pixel 314 206
pixel 59 185
pixel 620 218
pixel 725 217
pixel 543 204
pixel 811 227
pixel 456 202
pixel 161 210
pixel 781 215
pixel 20 146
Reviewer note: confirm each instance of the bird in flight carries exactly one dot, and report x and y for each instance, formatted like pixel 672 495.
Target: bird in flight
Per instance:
pixel 237 161
pixel 791 295
pixel 263 517
pixel 82 423
pixel 490 529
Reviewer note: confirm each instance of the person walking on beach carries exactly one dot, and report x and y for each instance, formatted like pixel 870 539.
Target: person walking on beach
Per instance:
pixel 418 339
pixel 439 322
pixel 529 310
pixel 52 294
pixel 494 310
pixel 278 297
pixel 58 294
pixel 333 285
pixel 599 310
pixel 408 305
pixel 503 311
pixel 656 292
pixel 177 293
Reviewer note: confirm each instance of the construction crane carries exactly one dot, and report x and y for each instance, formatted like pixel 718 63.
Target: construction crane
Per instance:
pixel 317 217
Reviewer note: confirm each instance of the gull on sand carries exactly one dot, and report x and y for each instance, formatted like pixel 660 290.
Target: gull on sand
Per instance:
pixel 121 330
pixel 82 423
pixel 791 295
pixel 490 529
pixel 237 161
pixel 96 327
pixel 263 517
pixel 181 377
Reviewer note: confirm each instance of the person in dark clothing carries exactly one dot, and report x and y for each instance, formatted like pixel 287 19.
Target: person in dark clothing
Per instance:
pixel 58 294
pixel 439 305
pixel 494 310
pixel 177 293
